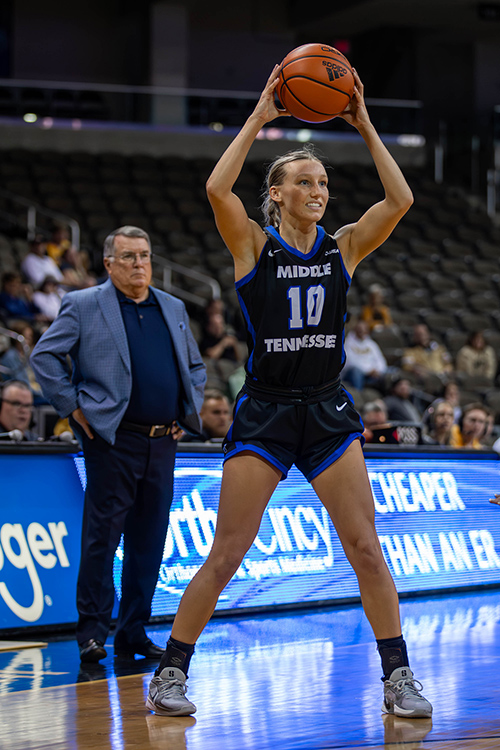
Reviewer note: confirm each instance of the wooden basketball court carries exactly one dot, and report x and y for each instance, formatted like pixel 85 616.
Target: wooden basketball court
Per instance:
pixel 307 680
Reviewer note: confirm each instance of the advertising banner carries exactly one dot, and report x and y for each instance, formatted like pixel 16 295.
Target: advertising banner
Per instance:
pixel 436 527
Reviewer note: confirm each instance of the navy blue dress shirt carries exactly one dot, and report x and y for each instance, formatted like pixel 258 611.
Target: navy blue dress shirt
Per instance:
pixel 156 382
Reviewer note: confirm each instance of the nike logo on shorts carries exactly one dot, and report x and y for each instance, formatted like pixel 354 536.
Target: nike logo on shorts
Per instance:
pixel 339 408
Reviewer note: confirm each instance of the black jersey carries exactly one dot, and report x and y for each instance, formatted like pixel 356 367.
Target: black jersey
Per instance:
pixel 294 307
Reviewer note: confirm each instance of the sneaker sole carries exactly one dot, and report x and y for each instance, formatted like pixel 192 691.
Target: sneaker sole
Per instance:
pixel 395 711
pixel 160 711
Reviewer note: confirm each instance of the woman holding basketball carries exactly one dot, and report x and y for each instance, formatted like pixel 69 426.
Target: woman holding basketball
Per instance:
pixel 292 279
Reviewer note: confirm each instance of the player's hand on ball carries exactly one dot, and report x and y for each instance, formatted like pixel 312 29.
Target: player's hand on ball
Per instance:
pixel 356 113
pixel 266 108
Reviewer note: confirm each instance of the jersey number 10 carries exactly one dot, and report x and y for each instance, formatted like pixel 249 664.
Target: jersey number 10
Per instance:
pixel 315 300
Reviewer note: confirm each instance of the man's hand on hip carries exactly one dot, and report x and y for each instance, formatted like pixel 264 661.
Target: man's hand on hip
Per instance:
pixel 177 432
pixel 80 417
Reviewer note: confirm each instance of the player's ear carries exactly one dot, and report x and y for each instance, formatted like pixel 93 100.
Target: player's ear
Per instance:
pixel 274 193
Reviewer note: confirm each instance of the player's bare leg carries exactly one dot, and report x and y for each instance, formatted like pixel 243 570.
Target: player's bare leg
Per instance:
pixel 344 489
pixel 247 485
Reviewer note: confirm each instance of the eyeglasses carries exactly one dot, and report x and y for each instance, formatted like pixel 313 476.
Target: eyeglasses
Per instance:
pixel 129 258
pixel 17 404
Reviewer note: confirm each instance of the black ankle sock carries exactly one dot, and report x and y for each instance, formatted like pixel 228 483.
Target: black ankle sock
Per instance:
pixel 177 654
pixel 393 654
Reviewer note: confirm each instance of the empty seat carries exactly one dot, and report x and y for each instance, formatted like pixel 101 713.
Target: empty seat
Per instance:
pixel 422 266
pixel 440 321
pixel 455 266
pixel 455 339
pixel 483 302
pixel 473 321
pixel 440 282
pixel 402 280
pixel 424 248
pixel 449 300
pixel 474 284
pixel 388 338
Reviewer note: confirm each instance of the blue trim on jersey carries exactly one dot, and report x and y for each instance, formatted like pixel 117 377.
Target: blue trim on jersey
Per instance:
pixel 245 279
pixel 261 452
pixel 343 341
pixel 348 278
pixel 251 329
pixel 293 250
pixel 335 455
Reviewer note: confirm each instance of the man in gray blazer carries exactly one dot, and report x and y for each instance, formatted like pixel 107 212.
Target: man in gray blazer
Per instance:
pixel 135 384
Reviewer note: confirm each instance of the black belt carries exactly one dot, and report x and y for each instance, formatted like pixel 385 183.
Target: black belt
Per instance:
pixel 309 394
pixel 153 430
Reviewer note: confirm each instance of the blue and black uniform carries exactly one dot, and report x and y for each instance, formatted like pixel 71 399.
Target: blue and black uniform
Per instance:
pixel 292 407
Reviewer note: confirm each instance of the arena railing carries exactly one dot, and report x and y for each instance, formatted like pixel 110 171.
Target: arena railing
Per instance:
pixel 33 209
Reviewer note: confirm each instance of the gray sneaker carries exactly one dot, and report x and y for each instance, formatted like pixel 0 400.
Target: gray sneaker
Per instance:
pixel 167 694
pixel 402 698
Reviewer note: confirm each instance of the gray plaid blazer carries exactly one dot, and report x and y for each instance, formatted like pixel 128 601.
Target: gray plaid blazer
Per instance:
pixel 90 329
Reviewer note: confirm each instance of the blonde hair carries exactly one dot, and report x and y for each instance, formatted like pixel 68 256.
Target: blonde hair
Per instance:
pixel 275 175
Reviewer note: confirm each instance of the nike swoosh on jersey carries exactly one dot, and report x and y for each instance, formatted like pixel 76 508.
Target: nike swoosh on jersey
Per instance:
pixel 339 408
pixel 273 252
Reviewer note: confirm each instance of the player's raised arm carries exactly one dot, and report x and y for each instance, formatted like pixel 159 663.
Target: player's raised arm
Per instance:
pixel 357 240
pixel 243 236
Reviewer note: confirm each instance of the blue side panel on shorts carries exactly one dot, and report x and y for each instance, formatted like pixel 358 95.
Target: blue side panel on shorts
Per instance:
pixel 335 455
pixel 239 447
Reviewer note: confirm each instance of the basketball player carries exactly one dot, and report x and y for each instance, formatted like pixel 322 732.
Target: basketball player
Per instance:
pixel 292 279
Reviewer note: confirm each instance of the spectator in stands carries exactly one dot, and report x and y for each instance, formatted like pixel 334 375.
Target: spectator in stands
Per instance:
pixel 37 265
pixel 365 364
pixel 376 313
pixel 451 394
pixel 399 403
pixel 374 415
pixel 232 318
pixel 48 297
pixel 16 362
pixel 215 418
pixel 16 411
pixel 15 301
pixel 439 420
pixel 489 438
pixel 74 266
pixel 471 428
pixel 476 357
pixel 58 243
pixel 429 362
pixel 217 342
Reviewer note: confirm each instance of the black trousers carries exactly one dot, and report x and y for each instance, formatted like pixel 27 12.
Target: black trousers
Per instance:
pixel 129 490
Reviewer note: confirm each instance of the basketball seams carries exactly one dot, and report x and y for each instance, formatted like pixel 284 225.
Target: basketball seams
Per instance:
pixel 313 78
pixel 326 84
pixel 307 107
pixel 343 61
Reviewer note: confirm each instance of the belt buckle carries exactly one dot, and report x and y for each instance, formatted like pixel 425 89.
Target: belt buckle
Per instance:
pixel 157 430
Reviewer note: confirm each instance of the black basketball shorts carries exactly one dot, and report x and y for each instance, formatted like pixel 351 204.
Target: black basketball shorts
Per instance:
pixel 310 435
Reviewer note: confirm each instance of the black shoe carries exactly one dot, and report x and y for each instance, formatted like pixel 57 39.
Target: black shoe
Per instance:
pixel 147 649
pixel 92 651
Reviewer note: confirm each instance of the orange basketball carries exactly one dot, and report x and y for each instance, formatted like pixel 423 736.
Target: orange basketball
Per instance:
pixel 315 82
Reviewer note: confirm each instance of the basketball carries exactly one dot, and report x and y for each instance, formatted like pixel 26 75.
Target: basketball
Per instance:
pixel 315 82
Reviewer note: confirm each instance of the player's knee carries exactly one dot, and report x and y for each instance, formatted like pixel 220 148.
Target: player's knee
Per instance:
pixel 367 556
pixel 225 566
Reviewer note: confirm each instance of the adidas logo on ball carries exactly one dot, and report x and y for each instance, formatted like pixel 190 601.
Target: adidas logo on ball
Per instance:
pixel 334 71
